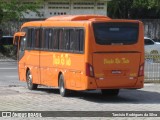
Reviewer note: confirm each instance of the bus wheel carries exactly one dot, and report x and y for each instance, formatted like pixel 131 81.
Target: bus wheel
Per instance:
pixel 110 92
pixel 30 85
pixel 63 91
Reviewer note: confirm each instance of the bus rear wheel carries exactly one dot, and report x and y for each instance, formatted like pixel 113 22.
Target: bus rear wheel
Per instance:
pixel 63 91
pixel 30 84
pixel 110 92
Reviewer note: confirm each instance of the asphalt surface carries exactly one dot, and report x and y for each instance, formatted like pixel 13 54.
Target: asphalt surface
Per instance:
pixel 9 74
pixel 14 96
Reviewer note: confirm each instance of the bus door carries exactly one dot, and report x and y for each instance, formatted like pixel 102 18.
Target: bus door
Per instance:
pixel 19 42
pixel 32 53
pixel 46 69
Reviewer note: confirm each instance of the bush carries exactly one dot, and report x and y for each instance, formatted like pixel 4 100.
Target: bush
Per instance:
pixel 9 51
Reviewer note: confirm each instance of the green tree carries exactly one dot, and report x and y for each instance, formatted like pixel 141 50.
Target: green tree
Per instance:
pixel 119 8
pixel 146 9
pixel 134 9
pixel 149 4
pixel 14 9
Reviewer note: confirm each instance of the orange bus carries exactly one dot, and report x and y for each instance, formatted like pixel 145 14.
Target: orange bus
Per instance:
pixel 81 52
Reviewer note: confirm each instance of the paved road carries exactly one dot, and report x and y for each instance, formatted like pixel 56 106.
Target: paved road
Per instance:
pixel 14 96
pixel 9 74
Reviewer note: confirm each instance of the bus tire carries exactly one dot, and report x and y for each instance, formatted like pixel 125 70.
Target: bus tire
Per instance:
pixel 110 92
pixel 30 85
pixel 63 91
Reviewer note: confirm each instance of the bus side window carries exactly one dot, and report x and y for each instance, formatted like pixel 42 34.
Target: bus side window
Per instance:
pixel 42 38
pixel 61 39
pixel 22 43
pixel 46 43
pixel 55 39
pixel 76 40
pixel 28 38
pixel 72 40
pixel 50 39
pixel 25 39
pixel 81 40
pixel 67 40
pixel 31 38
pixel 37 38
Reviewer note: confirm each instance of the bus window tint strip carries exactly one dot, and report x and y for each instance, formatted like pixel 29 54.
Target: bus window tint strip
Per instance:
pixel 111 33
pixel 56 39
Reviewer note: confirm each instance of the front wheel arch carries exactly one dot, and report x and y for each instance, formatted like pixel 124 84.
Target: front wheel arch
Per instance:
pixel 29 80
pixel 26 73
pixel 60 73
pixel 61 84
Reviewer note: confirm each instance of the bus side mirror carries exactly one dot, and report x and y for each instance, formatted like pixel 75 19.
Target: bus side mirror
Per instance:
pixel 17 36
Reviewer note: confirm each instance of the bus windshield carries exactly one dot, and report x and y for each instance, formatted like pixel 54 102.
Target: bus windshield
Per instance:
pixel 116 33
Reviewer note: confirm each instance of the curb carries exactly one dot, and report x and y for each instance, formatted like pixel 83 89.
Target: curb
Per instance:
pixel 7 60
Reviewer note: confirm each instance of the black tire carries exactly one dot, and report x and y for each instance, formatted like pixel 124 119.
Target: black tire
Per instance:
pixel 110 92
pixel 63 91
pixel 30 85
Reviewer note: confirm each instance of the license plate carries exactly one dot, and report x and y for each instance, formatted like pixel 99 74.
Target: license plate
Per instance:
pixel 116 72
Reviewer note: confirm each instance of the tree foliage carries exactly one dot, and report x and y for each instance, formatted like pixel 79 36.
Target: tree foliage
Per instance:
pixel 134 9
pixel 149 4
pixel 119 8
pixel 15 9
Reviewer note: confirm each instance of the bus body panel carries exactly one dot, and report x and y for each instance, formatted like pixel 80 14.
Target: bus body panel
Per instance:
pixel 22 70
pixel 32 63
pixel 72 67
pixel 47 71
pixel 117 66
pixel 116 69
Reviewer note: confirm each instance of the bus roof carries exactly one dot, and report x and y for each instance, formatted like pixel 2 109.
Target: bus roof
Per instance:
pixel 63 19
pixel 76 17
pixel 68 18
